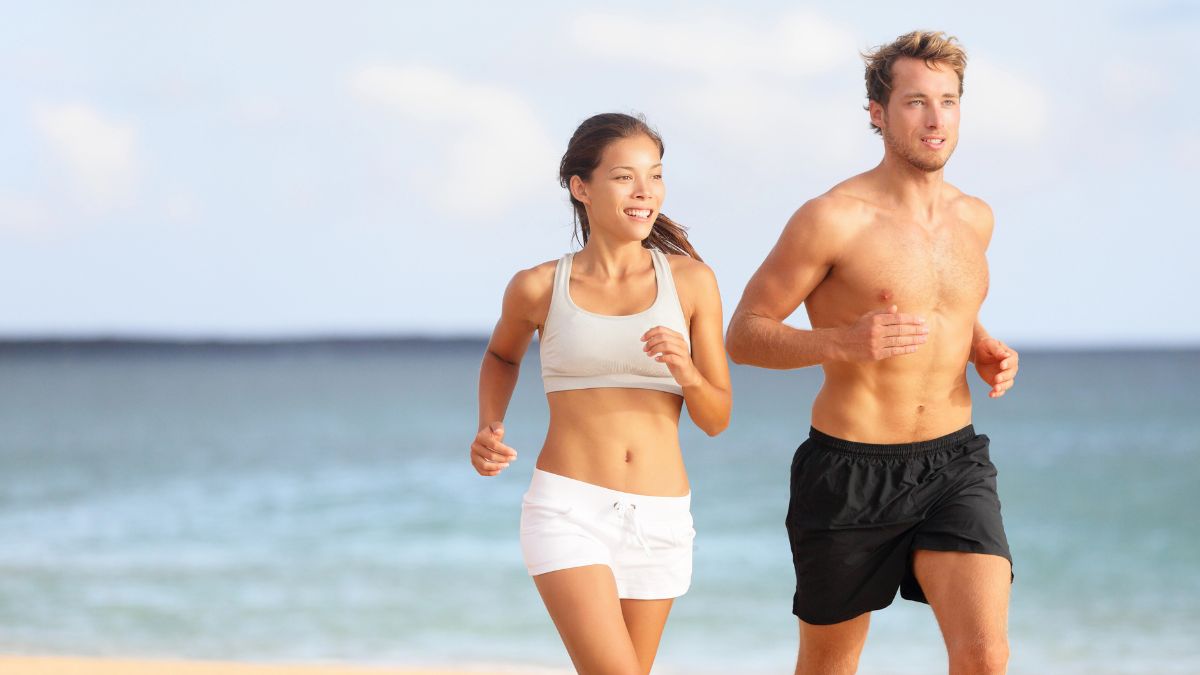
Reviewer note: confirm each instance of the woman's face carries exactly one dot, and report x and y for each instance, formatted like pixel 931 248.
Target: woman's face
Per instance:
pixel 626 191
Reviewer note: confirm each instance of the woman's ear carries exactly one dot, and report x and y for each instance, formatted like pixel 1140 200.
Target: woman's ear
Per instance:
pixel 579 190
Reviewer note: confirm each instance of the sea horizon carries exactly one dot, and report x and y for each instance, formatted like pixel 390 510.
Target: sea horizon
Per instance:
pixel 119 340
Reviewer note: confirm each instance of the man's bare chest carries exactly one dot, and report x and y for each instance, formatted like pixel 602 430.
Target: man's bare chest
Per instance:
pixel 942 269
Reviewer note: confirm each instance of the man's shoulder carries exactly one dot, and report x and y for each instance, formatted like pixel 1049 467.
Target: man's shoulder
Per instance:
pixel 824 226
pixel 971 210
pixel 968 207
pixel 840 209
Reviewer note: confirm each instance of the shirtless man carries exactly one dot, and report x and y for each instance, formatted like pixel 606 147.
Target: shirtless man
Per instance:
pixel 893 489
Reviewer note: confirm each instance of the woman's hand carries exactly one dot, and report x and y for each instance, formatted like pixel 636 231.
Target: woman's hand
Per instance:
pixel 488 455
pixel 667 346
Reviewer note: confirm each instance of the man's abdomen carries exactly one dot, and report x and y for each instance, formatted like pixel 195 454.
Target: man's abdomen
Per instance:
pixel 908 398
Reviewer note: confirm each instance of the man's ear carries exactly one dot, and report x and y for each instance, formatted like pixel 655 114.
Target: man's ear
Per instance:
pixel 877 114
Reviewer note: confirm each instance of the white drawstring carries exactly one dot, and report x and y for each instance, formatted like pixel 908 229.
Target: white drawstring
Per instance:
pixel 629 511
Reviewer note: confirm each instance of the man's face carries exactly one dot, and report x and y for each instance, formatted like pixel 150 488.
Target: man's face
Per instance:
pixel 920 122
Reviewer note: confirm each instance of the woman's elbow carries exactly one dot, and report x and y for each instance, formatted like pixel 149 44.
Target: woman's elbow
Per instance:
pixel 716 425
pixel 715 429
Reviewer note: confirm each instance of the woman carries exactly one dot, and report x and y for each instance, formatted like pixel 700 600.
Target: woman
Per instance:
pixel 630 329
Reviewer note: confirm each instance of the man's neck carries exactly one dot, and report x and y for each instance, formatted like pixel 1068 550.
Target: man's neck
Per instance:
pixel 910 189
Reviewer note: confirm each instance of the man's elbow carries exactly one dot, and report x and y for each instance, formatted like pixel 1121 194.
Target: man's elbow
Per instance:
pixel 735 342
pixel 733 349
pixel 738 342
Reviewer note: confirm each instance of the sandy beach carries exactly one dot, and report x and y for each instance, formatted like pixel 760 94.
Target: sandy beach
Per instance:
pixel 57 665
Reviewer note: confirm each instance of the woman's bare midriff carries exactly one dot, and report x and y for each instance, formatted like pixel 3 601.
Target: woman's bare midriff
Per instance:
pixel 618 438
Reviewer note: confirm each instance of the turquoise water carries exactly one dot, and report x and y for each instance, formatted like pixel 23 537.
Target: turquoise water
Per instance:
pixel 315 503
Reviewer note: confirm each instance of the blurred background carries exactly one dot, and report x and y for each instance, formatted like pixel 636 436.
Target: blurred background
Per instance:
pixel 252 252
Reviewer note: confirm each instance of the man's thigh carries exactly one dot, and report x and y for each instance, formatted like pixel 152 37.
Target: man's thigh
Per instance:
pixel 968 593
pixel 832 649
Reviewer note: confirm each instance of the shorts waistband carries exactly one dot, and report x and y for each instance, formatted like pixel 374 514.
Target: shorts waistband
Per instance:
pixel 553 485
pixel 951 440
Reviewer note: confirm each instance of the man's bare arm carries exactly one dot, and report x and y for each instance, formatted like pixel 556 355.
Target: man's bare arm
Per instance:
pixel 805 253
pixel 799 261
pixel 995 361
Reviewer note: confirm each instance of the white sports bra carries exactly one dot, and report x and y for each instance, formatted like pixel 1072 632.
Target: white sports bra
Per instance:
pixel 583 350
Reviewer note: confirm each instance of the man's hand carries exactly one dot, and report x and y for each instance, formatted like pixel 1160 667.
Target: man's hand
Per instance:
pixel 882 334
pixel 997 364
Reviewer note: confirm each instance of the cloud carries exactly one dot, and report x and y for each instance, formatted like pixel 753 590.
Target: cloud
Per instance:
pixel 1003 106
pixel 715 44
pixel 99 154
pixel 764 86
pixel 256 111
pixel 752 79
pixel 1187 150
pixel 19 213
pixel 1130 83
pixel 495 152
pixel 767 121
pixel 180 206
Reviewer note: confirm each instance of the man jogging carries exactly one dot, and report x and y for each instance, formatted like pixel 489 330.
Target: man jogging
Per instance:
pixel 893 489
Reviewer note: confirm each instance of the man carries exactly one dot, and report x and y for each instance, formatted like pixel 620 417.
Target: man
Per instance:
pixel 893 489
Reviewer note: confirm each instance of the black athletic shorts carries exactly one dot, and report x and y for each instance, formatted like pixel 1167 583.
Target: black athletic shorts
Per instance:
pixel 859 510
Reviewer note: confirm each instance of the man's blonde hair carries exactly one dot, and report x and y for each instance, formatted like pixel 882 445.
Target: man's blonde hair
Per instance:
pixel 932 47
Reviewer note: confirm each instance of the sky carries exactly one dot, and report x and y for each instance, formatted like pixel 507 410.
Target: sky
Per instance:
pixel 290 169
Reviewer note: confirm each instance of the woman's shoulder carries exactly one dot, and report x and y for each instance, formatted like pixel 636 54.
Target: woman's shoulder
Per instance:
pixel 687 270
pixel 532 284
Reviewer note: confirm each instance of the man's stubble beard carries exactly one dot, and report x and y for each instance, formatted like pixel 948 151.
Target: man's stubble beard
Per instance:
pixel 912 157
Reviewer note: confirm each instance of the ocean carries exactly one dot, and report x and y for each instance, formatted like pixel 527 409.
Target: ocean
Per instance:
pixel 313 502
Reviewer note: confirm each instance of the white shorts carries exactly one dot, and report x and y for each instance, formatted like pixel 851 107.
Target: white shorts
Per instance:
pixel 646 541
